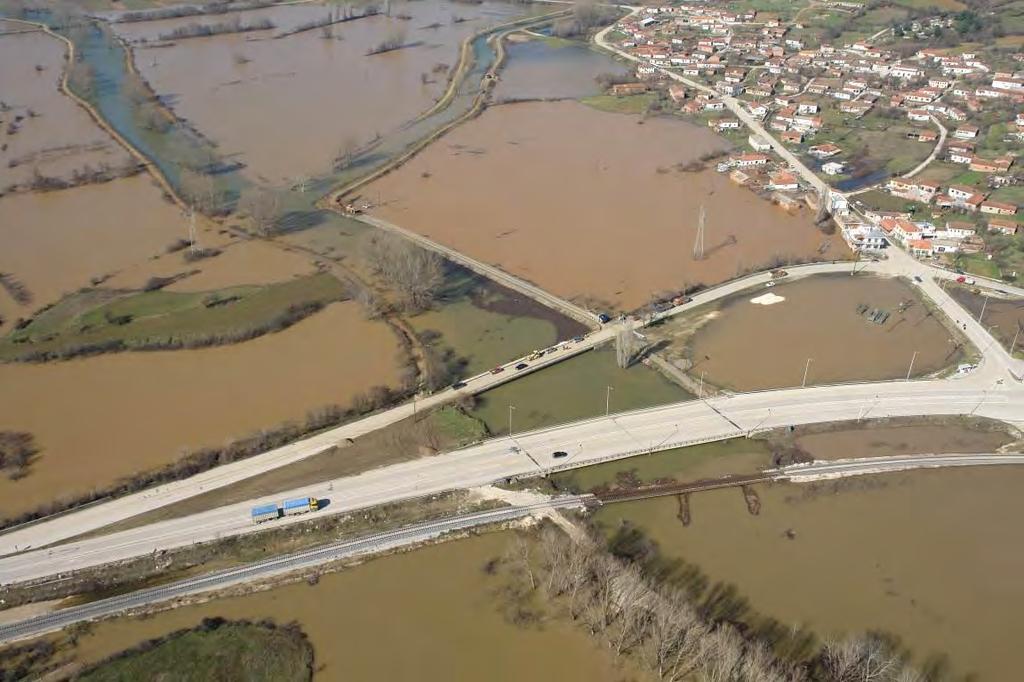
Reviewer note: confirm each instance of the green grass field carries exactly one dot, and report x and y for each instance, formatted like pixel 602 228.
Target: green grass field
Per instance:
pixel 629 104
pixel 740 455
pixel 154 318
pixel 230 651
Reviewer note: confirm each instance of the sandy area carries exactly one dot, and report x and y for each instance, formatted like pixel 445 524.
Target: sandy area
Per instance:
pixel 106 417
pixel 572 199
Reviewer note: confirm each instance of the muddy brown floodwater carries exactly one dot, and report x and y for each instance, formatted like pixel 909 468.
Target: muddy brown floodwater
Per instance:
pixel 573 200
pixel 934 558
pixel 99 419
pixel 55 242
pixel 428 615
pixel 286 107
pixel 60 138
pixel 1003 317
pixel 748 346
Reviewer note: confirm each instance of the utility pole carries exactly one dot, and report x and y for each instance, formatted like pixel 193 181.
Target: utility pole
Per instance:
pixel 192 229
pixel 807 366
pixel 982 315
pixel 698 244
pixel 1013 344
pixel 608 400
pixel 911 368
pixel 700 390
pixel 510 408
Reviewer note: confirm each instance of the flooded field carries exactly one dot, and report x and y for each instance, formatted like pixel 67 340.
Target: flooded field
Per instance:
pixel 99 419
pixel 588 204
pixel 237 88
pixel 53 137
pixel 572 390
pixel 1003 317
pixel 880 554
pixel 819 319
pixel 430 615
pixel 541 68
pixel 55 242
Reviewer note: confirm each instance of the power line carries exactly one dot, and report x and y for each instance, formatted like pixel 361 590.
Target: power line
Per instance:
pixel 698 244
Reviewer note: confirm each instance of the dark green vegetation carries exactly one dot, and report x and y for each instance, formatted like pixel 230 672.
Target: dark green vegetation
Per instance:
pixel 217 650
pixel 95 321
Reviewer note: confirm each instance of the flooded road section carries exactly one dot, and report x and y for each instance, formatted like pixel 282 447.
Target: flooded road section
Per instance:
pixel 542 68
pixel 934 558
pixel 587 204
pixel 288 107
pixel 41 129
pixel 103 418
pixel 750 346
pixel 55 242
pixel 430 615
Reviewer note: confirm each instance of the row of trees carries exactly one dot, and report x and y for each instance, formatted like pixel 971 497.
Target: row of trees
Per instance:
pixel 416 274
pixel 17 449
pixel 657 624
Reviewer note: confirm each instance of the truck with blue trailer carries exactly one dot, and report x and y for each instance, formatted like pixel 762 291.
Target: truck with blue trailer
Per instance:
pixel 265 512
pixel 300 505
pixel 273 511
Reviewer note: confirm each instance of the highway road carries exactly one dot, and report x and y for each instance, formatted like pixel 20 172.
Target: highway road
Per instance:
pixel 841 468
pixel 96 516
pixel 533 453
pixel 379 542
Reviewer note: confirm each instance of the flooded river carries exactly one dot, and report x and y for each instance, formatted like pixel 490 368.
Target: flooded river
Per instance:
pixel 430 615
pixel 55 242
pixel 541 68
pixel 934 558
pixel 55 137
pixel 750 346
pixel 586 204
pixel 287 107
pixel 99 419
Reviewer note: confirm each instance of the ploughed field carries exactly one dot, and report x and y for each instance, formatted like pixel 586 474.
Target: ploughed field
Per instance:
pixel 286 103
pixel 590 205
pixel 746 345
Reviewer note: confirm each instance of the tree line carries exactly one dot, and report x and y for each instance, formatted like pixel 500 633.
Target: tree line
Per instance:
pixel 648 618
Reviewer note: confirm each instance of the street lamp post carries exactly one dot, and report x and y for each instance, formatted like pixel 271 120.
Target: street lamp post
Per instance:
pixel 1013 344
pixel 608 399
pixel 911 368
pixel 510 408
pixel 982 314
pixel 807 366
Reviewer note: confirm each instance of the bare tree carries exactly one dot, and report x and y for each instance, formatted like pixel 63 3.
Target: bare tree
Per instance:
pixel 414 272
pixel 627 347
pixel 346 153
pixel 861 659
pixel 199 190
pixel 263 208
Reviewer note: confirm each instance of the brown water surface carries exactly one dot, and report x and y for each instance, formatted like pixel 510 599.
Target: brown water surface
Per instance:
pixel 289 109
pixel 429 615
pixel 932 557
pixel 573 200
pixel 750 346
pixel 103 418
pixel 55 242
pixel 61 138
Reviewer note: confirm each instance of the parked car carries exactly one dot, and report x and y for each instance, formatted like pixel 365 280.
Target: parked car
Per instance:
pixel 604 318
pixel 961 279
pixel 559 454
pixel 458 384
pixel 918 279
pixel 498 370
pixel 577 339
pixel 522 366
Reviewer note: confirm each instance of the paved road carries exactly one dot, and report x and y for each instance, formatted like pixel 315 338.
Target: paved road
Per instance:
pixel 935 152
pixel 33 627
pixel 585 442
pixel 841 468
